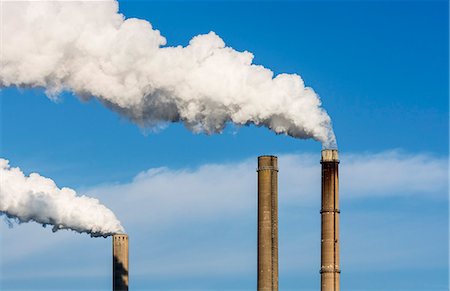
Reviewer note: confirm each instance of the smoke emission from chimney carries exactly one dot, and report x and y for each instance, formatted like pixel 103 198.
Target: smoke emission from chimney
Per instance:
pixel 88 48
pixel 36 198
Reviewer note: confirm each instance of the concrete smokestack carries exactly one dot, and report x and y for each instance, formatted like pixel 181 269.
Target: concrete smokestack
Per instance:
pixel 267 223
pixel 120 262
pixel 329 270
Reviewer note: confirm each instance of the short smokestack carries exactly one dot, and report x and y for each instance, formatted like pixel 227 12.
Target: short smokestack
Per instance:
pixel 329 270
pixel 267 223
pixel 120 262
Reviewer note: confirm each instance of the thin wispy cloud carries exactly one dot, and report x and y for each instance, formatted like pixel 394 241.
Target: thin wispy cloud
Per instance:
pixel 212 189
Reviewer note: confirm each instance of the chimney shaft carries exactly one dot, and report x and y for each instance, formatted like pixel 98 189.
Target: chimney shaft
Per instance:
pixel 120 262
pixel 330 271
pixel 267 223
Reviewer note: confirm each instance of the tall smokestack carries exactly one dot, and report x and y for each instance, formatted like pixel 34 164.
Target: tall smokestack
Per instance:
pixel 267 223
pixel 329 270
pixel 120 262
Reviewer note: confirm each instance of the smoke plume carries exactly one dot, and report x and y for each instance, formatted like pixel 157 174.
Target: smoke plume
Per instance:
pixel 36 198
pixel 90 49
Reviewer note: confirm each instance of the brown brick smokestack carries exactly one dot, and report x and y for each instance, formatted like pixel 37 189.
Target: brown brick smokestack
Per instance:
pixel 120 262
pixel 330 271
pixel 267 223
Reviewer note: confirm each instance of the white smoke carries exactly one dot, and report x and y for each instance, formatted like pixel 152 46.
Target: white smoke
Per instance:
pixel 36 198
pixel 92 50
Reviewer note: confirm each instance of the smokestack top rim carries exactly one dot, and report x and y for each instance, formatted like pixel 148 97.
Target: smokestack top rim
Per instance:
pixel 330 155
pixel 267 163
pixel 120 235
pixel 267 156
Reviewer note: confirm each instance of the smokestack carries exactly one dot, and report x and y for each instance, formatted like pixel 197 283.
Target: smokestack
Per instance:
pixel 120 262
pixel 267 223
pixel 329 270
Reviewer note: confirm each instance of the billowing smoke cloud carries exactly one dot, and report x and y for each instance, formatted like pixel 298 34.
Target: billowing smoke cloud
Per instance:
pixel 90 49
pixel 36 198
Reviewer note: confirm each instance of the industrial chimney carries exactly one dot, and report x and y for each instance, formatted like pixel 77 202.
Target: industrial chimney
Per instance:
pixel 120 262
pixel 329 270
pixel 267 223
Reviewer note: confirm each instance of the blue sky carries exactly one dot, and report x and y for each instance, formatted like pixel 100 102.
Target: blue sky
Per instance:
pixel 381 69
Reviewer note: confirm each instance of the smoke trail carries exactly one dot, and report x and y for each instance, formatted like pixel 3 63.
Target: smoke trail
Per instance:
pixel 36 198
pixel 92 50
